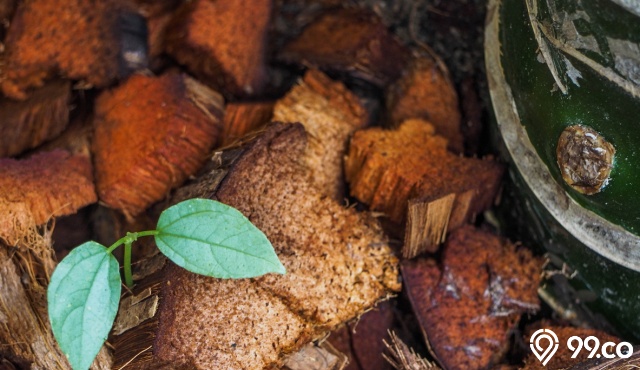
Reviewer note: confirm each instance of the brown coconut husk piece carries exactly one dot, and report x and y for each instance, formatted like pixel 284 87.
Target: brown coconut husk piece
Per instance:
pixel 139 155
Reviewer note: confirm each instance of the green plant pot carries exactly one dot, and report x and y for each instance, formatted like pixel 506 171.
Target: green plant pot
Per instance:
pixel 554 64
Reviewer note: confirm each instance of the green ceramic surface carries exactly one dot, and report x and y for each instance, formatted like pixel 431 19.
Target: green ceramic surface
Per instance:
pixel 558 63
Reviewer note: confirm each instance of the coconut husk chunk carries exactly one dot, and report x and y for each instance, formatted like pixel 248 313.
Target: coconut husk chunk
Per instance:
pixel 244 117
pixel 151 134
pixel 467 307
pixel 46 185
pixel 95 42
pixel 426 91
pixel 338 264
pixel 409 174
pixel 27 124
pixel 223 42
pixel 350 41
pixel 330 114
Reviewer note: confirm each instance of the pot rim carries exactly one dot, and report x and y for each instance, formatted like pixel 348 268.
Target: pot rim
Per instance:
pixel 600 235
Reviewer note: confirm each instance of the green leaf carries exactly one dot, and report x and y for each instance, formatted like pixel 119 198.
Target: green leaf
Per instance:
pixel 83 299
pixel 213 239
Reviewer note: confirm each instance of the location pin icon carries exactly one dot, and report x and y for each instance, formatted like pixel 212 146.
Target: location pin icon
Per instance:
pixel 544 354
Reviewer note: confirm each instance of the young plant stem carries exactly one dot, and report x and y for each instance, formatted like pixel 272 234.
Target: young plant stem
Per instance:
pixel 127 241
pixel 128 277
pixel 131 237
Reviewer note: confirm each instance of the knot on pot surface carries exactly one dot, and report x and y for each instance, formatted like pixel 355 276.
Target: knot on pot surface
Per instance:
pixel 585 159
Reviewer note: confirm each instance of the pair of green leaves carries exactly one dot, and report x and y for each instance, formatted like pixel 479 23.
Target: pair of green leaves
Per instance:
pixel 203 236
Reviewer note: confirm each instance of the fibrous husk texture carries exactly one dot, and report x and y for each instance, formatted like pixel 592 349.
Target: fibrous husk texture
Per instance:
pixel 351 41
pixel 468 306
pixel 223 42
pixel 27 124
pixel 242 118
pixel 409 171
pixel 330 114
pixel 34 190
pixel 426 91
pixel 151 133
pixel 77 39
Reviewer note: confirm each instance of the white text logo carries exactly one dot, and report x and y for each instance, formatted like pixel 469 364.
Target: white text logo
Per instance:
pixel 544 354
pixel 544 344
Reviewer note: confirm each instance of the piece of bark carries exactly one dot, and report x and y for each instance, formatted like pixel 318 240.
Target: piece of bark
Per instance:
pixel 467 308
pixel 330 114
pixel 242 118
pixel 151 134
pixel 401 357
pixel 223 42
pixel 95 42
pixel 349 41
pixel 426 91
pixel 25 332
pixel 562 357
pixel 338 264
pixel 27 124
pixel 34 190
pixel 409 175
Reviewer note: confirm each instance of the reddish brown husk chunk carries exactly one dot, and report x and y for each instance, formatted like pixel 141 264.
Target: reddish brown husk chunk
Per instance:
pixel 242 118
pixel 223 42
pixel 27 124
pixel 467 307
pixel 151 133
pixel 34 190
pixel 408 171
pixel 362 340
pixel 74 38
pixel 351 41
pixel 426 91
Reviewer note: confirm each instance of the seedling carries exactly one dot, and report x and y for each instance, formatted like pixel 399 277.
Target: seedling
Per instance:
pixel 201 235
